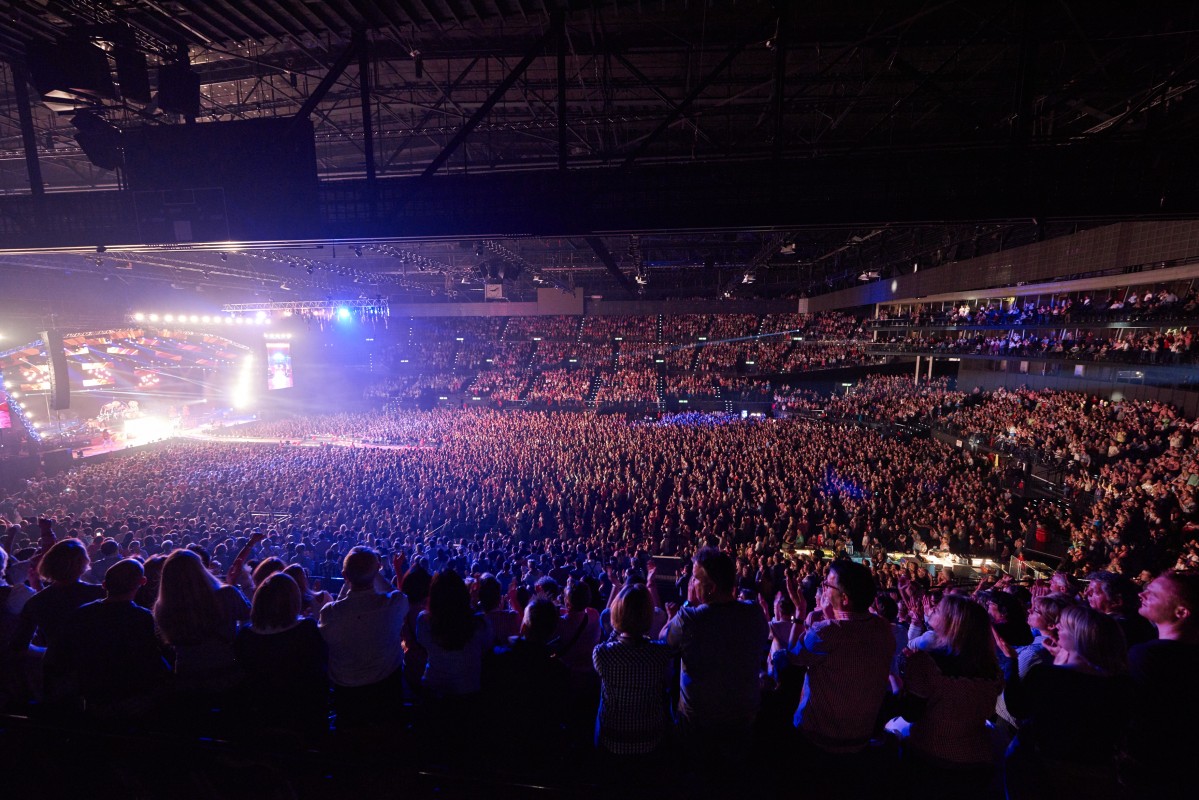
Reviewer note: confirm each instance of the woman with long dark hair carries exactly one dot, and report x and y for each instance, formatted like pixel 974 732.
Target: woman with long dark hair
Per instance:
pixel 454 637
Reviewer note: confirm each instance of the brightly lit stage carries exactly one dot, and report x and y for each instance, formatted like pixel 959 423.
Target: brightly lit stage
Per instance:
pixel 134 386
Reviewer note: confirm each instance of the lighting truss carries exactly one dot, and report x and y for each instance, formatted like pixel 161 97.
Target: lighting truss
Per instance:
pixel 376 306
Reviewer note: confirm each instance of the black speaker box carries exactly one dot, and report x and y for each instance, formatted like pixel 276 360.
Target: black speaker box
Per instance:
pixel 60 387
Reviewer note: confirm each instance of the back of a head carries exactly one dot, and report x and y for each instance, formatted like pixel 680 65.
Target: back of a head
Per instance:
pixel 451 620
pixel 886 607
pixel 856 582
pixel 276 603
pixel 109 547
pixel 541 620
pixel 490 592
pixel 297 574
pixel 186 610
pixel 359 568
pixel 633 610
pixel 64 562
pixel 416 584
pixel 578 595
pixel 124 577
pixel 266 568
pixel 719 567
pixel 1097 639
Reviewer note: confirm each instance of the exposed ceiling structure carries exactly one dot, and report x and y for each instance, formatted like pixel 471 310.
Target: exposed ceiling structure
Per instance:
pixel 818 118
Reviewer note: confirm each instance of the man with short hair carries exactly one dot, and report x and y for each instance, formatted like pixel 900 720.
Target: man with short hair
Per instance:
pixel 111 650
pixel 1163 737
pixel 362 630
pixel 848 655
pixel 722 642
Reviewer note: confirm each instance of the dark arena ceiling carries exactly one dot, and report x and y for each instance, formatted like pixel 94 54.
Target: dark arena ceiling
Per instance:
pixel 631 148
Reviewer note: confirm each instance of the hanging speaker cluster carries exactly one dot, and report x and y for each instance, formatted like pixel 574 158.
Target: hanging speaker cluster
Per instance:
pixel 77 72
pixel 60 388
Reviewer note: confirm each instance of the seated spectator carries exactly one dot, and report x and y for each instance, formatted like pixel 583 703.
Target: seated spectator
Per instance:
pixel 285 660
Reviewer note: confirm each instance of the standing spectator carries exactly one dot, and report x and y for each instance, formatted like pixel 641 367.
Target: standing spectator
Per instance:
pixel 634 714
pixel 197 616
pixel 951 692
pixel 722 642
pixel 285 660
pixel 528 690
pixel 111 650
pixel 1167 693
pixel 848 654
pixel 362 631
pixel 1073 714
pixel 1115 595
pixel 454 638
pixel 45 614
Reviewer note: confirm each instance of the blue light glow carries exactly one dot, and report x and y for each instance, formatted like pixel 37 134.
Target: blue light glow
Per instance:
pixel 343 314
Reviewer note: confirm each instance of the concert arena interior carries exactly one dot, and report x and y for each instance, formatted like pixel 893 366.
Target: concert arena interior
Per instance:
pixel 592 398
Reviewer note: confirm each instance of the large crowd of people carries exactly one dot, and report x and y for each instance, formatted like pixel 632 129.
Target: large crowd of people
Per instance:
pixel 1171 346
pixel 444 356
pixel 506 572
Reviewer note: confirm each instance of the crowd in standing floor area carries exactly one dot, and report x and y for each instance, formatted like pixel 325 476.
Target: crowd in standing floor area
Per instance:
pixel 531 508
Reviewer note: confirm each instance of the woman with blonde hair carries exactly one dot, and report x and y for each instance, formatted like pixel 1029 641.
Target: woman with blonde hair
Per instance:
pixel 950 693
pixel 1073 712
pixel 1043 619
pixel 285 659
pixel 634 672
pixel 198 616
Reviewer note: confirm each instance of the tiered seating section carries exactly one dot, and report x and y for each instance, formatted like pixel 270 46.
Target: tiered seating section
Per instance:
pixel 616 362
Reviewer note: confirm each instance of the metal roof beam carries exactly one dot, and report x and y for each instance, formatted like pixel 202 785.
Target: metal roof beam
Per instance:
pixel 488 104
